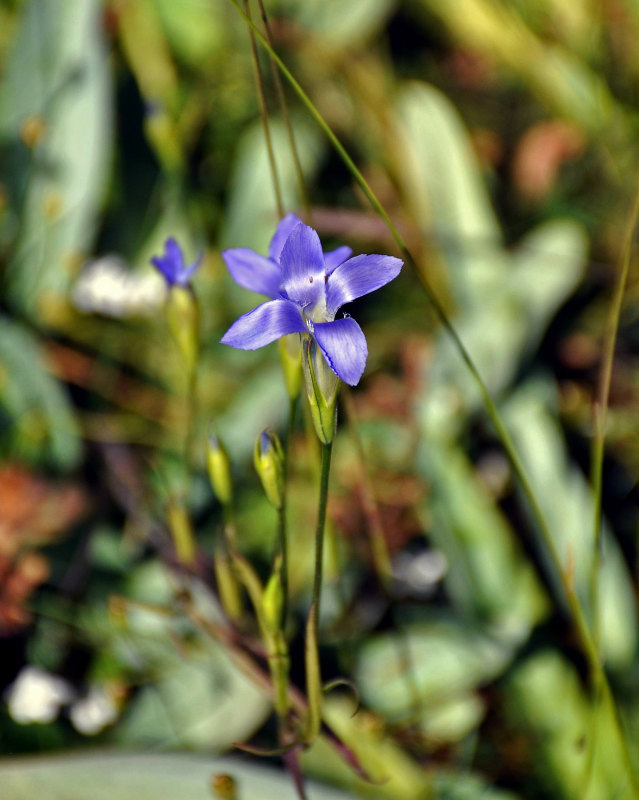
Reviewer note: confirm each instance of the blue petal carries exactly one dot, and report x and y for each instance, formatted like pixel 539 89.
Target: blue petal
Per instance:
pixel 174 254
pixel 282 232
pixel 171 262
pixel 344 347
pixel 359 276
pixel 183 277
pixel 264 325
pixel 336 257
pixel 302 263
pixel 253 271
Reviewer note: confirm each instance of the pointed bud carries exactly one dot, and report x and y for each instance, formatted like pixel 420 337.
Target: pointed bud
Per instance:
pixel 291 363
pixel 184 322
pixel 321 390
pixel 269 463
pixel 273 599
pixel 219 468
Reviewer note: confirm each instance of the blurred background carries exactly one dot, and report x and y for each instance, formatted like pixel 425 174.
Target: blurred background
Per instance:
pixel 501 137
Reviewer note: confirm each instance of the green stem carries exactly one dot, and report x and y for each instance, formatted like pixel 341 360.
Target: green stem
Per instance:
pixel 283 511
pixel 283 547
pixel 319 531
pixel 264 111
pixel 600 412
pixel 281 97
pixel 312 662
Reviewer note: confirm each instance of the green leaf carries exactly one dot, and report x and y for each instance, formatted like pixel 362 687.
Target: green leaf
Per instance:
pixel 165 776
pixel 42 425
pixel 566 502
pixel 544 698
pixel 428 665
pixel 489 574
pixel 58 75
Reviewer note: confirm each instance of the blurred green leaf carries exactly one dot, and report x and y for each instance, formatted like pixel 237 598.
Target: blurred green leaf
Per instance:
pixel 426 666
pixel 567 504
pixel 41 424
pixel 56 98
pixel 165 776
pixel 489 574
pixel 545 698
pixel 250 217
pixel 343 24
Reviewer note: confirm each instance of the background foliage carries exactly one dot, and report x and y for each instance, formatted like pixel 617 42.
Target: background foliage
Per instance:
pixel 501 138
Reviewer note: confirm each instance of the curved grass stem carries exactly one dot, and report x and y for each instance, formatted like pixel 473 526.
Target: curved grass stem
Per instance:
pixel 600 411
pixel 281 97
pixel 259 83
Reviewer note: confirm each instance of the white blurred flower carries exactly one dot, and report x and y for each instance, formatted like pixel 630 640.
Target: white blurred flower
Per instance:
pixel 36 696
pixel 107 286
pixel 420 572
pixel 92 713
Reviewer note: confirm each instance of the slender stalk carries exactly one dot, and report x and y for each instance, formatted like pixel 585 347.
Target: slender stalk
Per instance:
pixel 283 548
pixel 281 97
pixel 319 531
pixel 283 511
pixel 600 411
pixel 312 662
pixel 264 112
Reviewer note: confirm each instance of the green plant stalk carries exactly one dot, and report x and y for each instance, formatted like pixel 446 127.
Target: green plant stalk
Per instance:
pixel 313 670
pixel 264 111
pixel 576 612
pixel 283 550
pixel 600 411
pixel 281 97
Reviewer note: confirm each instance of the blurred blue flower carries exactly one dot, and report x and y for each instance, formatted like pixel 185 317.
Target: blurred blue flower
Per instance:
pixel 172 266
pixel 307 287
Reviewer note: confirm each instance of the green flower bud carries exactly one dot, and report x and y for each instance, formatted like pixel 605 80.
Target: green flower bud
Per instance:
pixel 269 463
pixel 321 390
pixel 291 363
pixel 184 322
pixel 219 468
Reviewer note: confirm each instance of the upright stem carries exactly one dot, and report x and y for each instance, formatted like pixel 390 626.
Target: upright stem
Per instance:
pixel 287 119
pixel 319 532
pixel 264 113
pixel 282 512
pixel 600 411
pixel 283 547
pixel 313 669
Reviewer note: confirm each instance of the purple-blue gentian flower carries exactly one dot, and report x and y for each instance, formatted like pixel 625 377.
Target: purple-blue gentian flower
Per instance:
pixel 172 265
pixel 307 287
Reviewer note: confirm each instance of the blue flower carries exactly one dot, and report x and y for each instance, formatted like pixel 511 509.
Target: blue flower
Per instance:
pixel 307 287
pixel 172 266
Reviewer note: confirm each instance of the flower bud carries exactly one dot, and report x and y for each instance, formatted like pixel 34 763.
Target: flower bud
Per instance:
pixel 219 468
pixel 321 390
pixel 184 322
pixel 291 363
pixel 269 463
